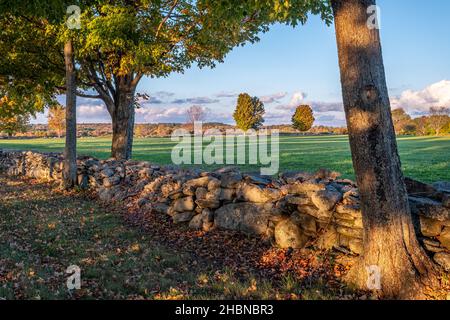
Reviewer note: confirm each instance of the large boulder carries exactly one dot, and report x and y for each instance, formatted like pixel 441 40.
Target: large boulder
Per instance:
pixel 288 234
pixel 245 217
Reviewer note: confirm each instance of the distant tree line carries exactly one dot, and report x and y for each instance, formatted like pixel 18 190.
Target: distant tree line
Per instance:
pixel 437 122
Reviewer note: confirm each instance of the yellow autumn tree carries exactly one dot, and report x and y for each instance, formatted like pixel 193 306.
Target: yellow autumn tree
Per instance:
pixel 57 120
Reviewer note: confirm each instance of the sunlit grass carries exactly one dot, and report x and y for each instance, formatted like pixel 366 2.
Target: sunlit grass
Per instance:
pixel 423 158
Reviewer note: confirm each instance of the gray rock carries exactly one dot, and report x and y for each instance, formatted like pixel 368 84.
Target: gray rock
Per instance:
pixel 298 199
pixel 305 187
pixel 254 193
pixel 213 195
pixel 443 259
pixel 207 215
pixel 83 181
pixel 196 223
pixel 106 173
pixel 328 239
pixel 106 194
pixel 199 182
pixel 315 212
pixel 214 184
pixel 227 194
pixel 327 199
pixel 446 200
pixel 111 181
pixel 416 187
pixel 231 180
pixel 142 202
pixel 181 217
pixel 292 177
pixel 257 180
pixel 245 217
pixel 429 208
pixel 442 186
pixel 189 191
pixel 201 193
pixel 184 204
pixel 289 235
pixel 306 222
pixel 205 203
pixel 160 208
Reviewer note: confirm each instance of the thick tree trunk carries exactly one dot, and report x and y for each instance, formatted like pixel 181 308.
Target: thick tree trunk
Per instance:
pixel 123 125
pixel 70 151
pixel 390 243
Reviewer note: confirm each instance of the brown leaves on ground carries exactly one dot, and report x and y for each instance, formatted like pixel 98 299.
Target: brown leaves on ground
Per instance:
pixel 125 253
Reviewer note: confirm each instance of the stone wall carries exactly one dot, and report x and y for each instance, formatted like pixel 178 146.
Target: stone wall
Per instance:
pixel 297 209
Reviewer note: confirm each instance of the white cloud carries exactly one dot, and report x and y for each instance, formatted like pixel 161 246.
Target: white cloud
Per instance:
pixel 92 113
pixel 419 102
pixel 297 98
pixel 276 97
pixel 155 115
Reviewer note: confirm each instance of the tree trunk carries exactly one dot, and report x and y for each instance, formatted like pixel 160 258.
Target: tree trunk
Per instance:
pixel 390 242
pixel 70 151
pixel 123 125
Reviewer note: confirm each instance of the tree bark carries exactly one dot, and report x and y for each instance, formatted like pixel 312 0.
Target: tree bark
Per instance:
pixel 70 150
pixel 123 124
pixel 390 242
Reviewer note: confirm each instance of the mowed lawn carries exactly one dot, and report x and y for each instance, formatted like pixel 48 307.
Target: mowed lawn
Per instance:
pixel 423 158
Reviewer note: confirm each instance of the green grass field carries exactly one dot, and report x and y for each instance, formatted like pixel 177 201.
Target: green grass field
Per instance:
pixel 423 158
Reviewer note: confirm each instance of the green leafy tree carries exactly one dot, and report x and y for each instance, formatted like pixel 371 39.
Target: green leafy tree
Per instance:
pixel 35 69
pixel 303 118
pixel 249 112
pixel 120 42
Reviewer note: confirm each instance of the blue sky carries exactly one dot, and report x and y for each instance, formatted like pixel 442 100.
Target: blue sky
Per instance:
pixel 291 66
